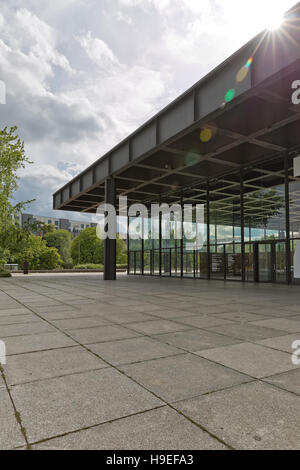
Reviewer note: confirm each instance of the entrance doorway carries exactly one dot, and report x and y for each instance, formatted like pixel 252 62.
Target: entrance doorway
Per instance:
pixel 265 261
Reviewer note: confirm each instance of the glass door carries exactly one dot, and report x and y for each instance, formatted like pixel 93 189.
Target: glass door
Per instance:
pixel 266 262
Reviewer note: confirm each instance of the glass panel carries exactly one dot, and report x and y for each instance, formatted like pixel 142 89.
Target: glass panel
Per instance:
pixel 177 262
pixel 265 262
pixel 294 245
pixel 156 263
pixel 249 262
pixel 147 263
pixel 131 262
pixel 188 264
pixel 233 262
pixel 264 202
pixel 201 264
pixel 165 263
pixel 138 261
pixel 280 254
pixel 218 265
pixel 294 189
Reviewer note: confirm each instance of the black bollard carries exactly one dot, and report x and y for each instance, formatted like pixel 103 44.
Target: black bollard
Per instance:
pixel 25 267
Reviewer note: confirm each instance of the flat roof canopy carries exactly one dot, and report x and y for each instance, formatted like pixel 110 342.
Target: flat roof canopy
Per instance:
pixel 243 111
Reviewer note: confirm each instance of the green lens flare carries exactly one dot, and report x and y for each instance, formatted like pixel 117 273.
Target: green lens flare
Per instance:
pixel 230 95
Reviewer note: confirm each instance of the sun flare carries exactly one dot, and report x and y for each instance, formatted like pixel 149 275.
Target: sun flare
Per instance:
pixel 275 20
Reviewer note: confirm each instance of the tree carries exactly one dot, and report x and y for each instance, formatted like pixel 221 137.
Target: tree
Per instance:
pixel 61 240
pixel 87 248
pixel 35 251
pixel 121 251
pixel 12 159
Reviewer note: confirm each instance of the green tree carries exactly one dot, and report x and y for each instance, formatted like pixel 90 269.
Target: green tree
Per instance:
pixel 87 248
pixel 121 251
pixel 35 250
pixel 61 240
pixel 12 159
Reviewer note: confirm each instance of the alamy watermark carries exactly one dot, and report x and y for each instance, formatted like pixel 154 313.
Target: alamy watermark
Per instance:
pixel 296 353
pixel 161 221
pixel 2 92
pixel 296 93
pixel 2 353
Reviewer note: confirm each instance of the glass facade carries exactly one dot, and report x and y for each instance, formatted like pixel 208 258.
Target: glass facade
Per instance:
pixel 250 231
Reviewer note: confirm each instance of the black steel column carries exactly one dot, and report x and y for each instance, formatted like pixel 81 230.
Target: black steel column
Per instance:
pixel 287 220
pixel 243 263
pixel 208 231
pixel 143 247
pixel 160 243
pixel 128 246
pixel 182 235
pixel 110 244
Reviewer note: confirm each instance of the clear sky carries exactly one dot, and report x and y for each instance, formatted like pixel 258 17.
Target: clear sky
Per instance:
pixel 81 75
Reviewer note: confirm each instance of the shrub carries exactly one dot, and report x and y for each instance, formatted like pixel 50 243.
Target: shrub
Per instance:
pixel 39 256
pixel 89 266
pixel 4 273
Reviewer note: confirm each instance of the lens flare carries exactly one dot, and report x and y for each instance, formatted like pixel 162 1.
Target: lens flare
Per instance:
pixel 230 95
pixel 192 159
pixel 275 20
pixel 249 62
pixel 243 72
pixel 208 132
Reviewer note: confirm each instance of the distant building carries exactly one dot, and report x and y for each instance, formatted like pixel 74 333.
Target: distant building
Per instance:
pixel 72 226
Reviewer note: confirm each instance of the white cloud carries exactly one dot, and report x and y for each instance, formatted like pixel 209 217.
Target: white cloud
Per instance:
pixel 98 51
pixel 82 74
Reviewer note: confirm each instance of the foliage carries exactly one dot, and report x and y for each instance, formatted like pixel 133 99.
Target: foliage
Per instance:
pixel 89 266
pixel 97 266
pixel 4 273
pixel 87 248
pixel 12 159
pixel 35 251
pixel 39 227
pixel 18 244
pixel 121 252
pixel 61 240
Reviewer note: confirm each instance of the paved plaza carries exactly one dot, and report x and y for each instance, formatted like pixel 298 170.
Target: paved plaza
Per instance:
pixel 148 363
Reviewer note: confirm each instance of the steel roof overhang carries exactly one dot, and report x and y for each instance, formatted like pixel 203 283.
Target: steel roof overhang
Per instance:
pixel 166 155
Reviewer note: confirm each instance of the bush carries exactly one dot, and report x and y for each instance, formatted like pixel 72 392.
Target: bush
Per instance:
pixel 67 265
pixel 49 259
pixel 89 266
pixel 39 256
pixel 4 273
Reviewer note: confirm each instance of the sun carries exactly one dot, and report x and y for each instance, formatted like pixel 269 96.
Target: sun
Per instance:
pixel 275 20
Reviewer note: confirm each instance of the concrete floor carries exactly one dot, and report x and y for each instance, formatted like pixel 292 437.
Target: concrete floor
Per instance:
pixel 148 363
